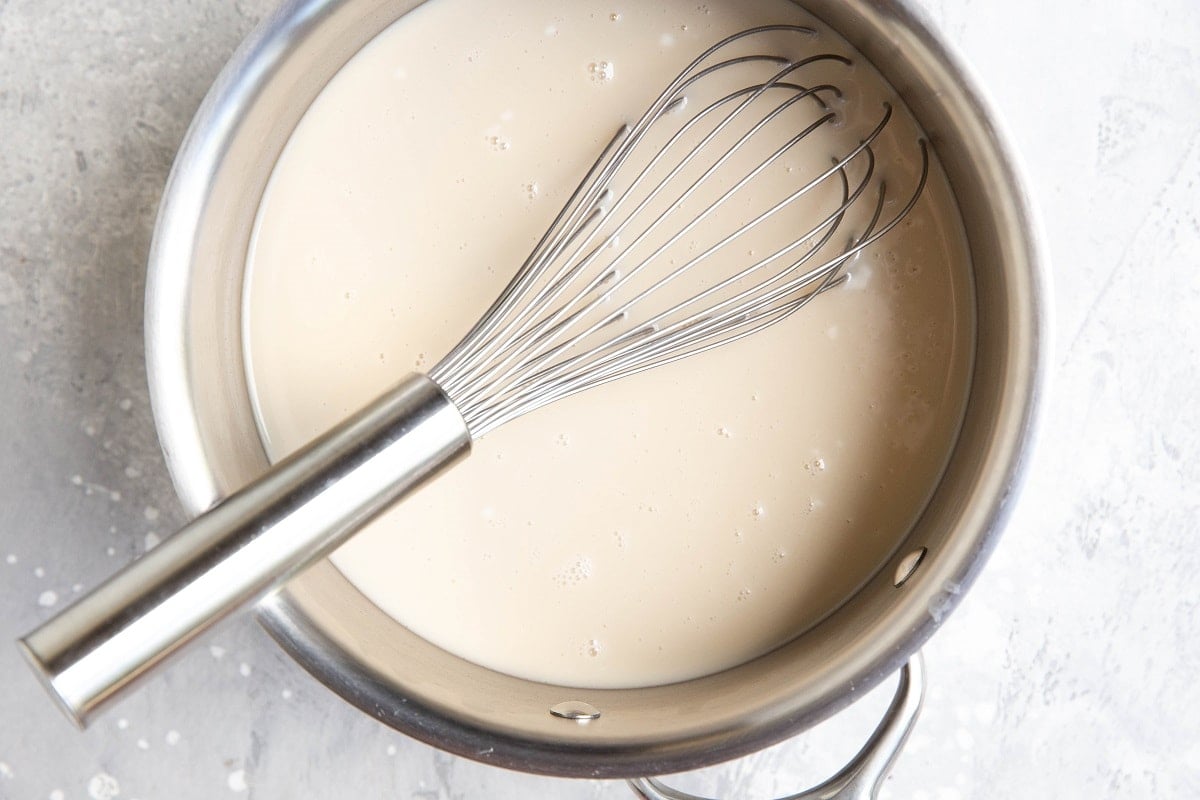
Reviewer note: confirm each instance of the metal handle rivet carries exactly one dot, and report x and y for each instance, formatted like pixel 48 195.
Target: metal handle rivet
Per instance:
pixel 908 565
pixel 576 710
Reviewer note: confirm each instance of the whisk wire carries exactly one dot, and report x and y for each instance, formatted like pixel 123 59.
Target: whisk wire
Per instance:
pixel 651 325
pixel 547 336
pixel 541 356
pixel 709 318
pixel 667 352
pixel 554 322
pixel 612 159
pixel 551 243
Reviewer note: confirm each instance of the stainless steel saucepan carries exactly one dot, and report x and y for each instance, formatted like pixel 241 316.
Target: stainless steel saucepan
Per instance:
pixel 202 408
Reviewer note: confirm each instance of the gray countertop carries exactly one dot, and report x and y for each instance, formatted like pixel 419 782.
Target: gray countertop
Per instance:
pixel 1072 669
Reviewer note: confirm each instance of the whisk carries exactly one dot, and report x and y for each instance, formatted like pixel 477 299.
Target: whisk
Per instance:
pixel 676 241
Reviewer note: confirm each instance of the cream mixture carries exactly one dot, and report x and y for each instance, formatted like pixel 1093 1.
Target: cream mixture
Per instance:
pixel 659 528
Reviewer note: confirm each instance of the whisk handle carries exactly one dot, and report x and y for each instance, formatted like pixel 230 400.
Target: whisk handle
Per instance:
pixel 246 546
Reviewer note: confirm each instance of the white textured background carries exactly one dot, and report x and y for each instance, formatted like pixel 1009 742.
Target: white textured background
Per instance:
pixel 1071 670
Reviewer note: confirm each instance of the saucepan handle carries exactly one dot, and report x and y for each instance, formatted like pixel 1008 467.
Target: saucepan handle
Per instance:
pixel 246 546
pixel 862 777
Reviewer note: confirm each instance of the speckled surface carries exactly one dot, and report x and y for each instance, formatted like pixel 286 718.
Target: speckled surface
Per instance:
pixel 1071 669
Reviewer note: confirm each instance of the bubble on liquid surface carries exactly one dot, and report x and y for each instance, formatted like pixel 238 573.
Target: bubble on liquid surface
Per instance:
pixel 724 432
pixel 499 143
pixel 574 574
pixel 592 648
pixel 758 512
pixel 744 595
pixel 531 190
pixel 47 598
pixel 601 71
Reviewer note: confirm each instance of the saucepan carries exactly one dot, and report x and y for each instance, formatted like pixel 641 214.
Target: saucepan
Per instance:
pixel 203 413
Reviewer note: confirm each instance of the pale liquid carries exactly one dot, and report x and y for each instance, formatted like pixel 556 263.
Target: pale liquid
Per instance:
pixel 655 529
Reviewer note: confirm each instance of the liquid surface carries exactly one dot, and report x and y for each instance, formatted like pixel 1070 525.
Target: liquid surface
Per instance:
pixel 655 529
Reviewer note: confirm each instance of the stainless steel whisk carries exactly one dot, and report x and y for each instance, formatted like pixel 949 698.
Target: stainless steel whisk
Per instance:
pixel 620 283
